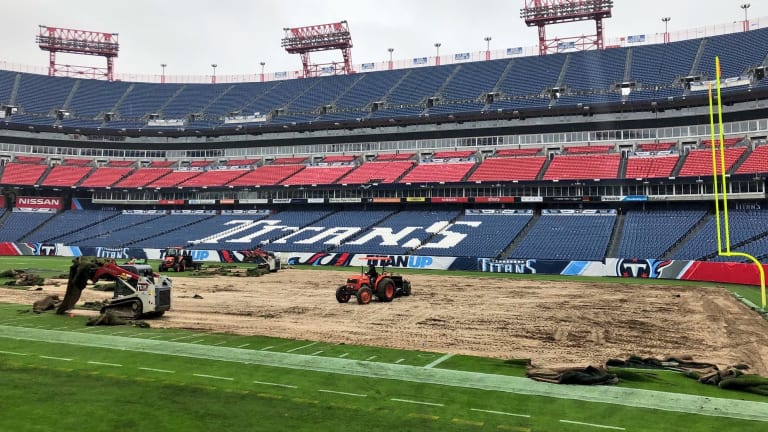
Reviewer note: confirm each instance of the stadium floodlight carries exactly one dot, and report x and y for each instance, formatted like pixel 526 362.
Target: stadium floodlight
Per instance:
pixel 540 13
pixel 487 40
pixel 82 42
pixel 437 55
pixel 323 37
pixel 213 77
pixel 162 77
pixel 666 20
pixel 746 6
pixel 262 70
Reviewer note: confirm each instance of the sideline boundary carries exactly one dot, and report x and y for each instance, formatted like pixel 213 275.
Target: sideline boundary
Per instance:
pixel 637 398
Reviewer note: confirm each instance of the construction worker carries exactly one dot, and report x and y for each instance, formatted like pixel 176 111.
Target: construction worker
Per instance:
pixel 372 273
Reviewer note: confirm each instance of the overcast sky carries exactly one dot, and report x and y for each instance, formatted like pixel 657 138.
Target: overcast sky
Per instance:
pixel 189 35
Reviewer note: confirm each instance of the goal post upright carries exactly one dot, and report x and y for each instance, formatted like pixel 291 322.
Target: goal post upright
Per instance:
pixel 724 225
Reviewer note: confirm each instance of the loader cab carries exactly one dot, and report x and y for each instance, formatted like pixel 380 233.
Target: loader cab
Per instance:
pixel 139 269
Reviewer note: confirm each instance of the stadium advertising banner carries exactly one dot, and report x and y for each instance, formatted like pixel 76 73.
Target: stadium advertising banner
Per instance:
pixel 514 51
pixel 386 200
pixel 354 260
pixel 344 200
pixel 449 199
pixel 197 255
pixel 520 266
pixel 628 198
pixel 461 56
pixel 420 61
pixel 36 204
pixel 494 200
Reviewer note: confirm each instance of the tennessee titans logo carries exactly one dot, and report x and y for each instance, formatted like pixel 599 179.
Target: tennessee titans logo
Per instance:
pixel 640 268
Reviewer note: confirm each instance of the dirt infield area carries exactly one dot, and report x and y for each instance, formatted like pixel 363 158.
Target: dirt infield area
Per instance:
pixel 553 323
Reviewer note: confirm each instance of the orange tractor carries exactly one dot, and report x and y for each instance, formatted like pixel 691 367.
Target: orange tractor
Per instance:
pixel 177 259
pixel 385 286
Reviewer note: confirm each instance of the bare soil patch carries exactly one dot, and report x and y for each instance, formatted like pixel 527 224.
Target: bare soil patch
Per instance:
pixel 554 323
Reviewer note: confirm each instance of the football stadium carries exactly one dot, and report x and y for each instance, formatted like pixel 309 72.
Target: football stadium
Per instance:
pixel 439 243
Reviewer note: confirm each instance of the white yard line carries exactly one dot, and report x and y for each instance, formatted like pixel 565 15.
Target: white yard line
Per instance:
pixel 500 413
pixel 316 353
pixel 343 355
pixel 417 402
pixel 275 384
pixel 592 425
pixel 182 337
pixel 242 346
pixel 13 353
pixel 214 377
pixel 399 361
pixel 157 370
pixel 302 347
pixel 104 364
pixel 343 393
pixel 438 361
pixel 370 358
pixel 267 348
pixel 55 358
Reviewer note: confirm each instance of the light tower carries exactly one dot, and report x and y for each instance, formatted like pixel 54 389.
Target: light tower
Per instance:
pixel 84 42
pixel 323 37
pixel 666 20
pixel 746 6
pixel 541 13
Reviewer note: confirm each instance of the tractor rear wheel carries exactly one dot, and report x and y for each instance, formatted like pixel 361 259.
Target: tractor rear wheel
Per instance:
pixel 385 290
pixel 364 295
pixel 342 296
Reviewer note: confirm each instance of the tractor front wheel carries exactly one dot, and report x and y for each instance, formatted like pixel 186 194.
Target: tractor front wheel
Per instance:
pixel 385 291
pixel 364 295
pixel 342 296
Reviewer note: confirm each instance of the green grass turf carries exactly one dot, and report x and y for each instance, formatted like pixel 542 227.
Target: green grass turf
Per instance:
pixel 68 392
pixel 18 315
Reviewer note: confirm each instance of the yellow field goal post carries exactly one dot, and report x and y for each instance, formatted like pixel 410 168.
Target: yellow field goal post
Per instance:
pixel 724 225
